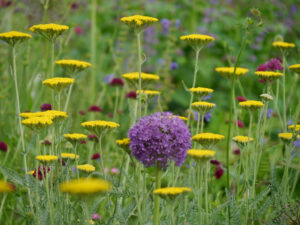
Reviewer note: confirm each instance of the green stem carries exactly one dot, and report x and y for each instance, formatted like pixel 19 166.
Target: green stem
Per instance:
pixel 138 36
pixel 58 100
pixel 52 59
pixel 86 213
pixel 283 92
pixel 2 205
pixel 68 98
pixel 156 220
pixel 194 83
pixel 199 191
pixel 206 192
pixel 93 45
pixel 101 156
pixel 76 161
pixel 48 196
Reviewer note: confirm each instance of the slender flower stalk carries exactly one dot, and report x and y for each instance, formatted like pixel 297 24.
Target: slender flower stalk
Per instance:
pixel 93 45
pixel 138 36
pixel 156 218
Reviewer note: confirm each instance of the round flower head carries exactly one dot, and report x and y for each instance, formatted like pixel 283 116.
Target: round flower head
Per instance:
pixel 295 68
pixel 85 186
pixel 69 156
pixel 6 187
pixel 86 168
pixel 124 144
pixel 207 140
pixel 14 37
pixel 283 45
pixel 287 137
pixel 171 192
pixel 58 83
pixel 201 92
pixel 75 137
pixel 46 158
pixel 133 78
pixel 148 93
pixel 50 31
pixel 266 97
pixel 99 126
pixel 158 138
pixel 138 22
pixel 242 140
pixel 197 41
pixel 37 123
pixel 251 104
pixel 203 107
pixel 295 128
pixel 73 65
pixel 228 71
pixel 201 155
pixel 268 75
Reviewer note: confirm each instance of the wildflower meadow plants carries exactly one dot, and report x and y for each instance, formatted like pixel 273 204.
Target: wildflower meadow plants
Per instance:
pixel 163 139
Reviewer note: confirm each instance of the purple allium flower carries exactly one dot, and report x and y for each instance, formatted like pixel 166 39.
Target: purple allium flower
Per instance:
pixel 3 146
pixel 173 66
pixel 165 23
pixel 78 30
pixel 272 65
pixel 116 82
pixel 160 137
pixel 45 107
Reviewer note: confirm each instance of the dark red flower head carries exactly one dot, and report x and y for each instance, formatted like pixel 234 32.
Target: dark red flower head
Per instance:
pixel 3 146
pixel 240 124
pixel 81 112
pixel 46 142
pixel 83 142
pixel 218 172
pixel 78 30
pixel 215 162
pixel 95 156
pixel 92 137
pixel 95 108
pixel 116 82
pixel 41 174
pixel 131 94
pixel 237 151
pixel 46 107
pixel 5 3
pixel 241 99
pixel 74 5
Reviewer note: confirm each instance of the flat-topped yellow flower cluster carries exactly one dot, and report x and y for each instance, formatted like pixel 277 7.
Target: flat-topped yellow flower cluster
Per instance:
pixel 72 64
pixel 251 104
pixel 138 21
pixel 242 139
pixel 58 83
pixel 144 76
pixel 229 71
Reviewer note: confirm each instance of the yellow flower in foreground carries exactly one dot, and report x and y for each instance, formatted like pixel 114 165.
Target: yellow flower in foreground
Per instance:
pixel 283 45
pixel 149 92
pixel 138 22
pixel 73 65
pixel 197 40
pixel 98 126
pixel 6 187
pixel 207 139
pixel 86 167
pixel 268 75
pixel 295 128
pixel 242 139
pixel 200 91
pixel 58 83
pixel 295 68
pixel 287 136
pixel 75 137
pixel 54 115
pixel 13 37
pixel 228 71
pixel 171 192
pixel 46 158
pixel 203 107
pixel 251 104
pixel 50 31
pixel 69 156
pixel 85 186
pixel 37 122
pixel 123 142
pixel 199 154
pixel 134 77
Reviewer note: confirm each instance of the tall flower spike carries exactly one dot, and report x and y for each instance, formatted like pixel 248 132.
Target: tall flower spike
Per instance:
pixel 50 31
pixel 138 22
pixel 14 37
pixel 197 41
pixel 73 65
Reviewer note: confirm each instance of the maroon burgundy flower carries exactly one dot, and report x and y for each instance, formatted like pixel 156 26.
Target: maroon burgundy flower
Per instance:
pixel 95 108
pixel 81 112
pixel 116 82
pixel 93 137
pixel 83 142
pixel 41 174
pixel 5 3
pixel 3 146
pixel 241 99
pixel 46 107
pixel 240 124
pixel 78 30
pixel 215 162
pixel 110 114
pixel 95 156
pixel 46 142
pixel 218 172
pixel 131 94
pixel 74 5
pixel 237 151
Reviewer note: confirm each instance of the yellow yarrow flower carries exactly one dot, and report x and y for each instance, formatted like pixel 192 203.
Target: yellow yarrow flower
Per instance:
pixel 242 139
pixel 6 187
pixel 123 142
pixel 171 192
pixel 149 92
pixel 283 45
pixel 203 107
pixel 86 168
pixel 268 75
pixel 288 136
pixel 46 158
pixel 251 104
pixel 14 37
pixel 58 83
pixel 138 22
pixel 207 139
pixel 50 31
pixel 37 122
pixel 295 68
pixel 69 156
pixel 228 71
pixel 31 172
pixel 197 41
pixel 54 115
pixel 73 65
pixel 75 137
pixel 98 126
pixel 295 128
pixel 200 154
pixel 85 186
pixel 134 77
pixel 200 91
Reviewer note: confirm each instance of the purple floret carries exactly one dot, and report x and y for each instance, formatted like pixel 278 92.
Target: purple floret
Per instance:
pixel 158 138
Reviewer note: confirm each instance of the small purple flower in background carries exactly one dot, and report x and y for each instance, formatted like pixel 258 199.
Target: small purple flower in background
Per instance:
pixel 173 66
pixel 177 23
pixel 5 3
pixel 297 143
pixel 161 61
pixel 41 173
pixel 96 156
pixel 74 169
pixel 74 6
pixel 95 108
pixel 46 143
pixel 207 116
pixel 108 78
pixel 293 9
pixel 78 30
pixel 272 65
pixel 3 146
pixel 115 170
pixel 165 23
pixel 270 113
pixel 290 122
pixel 116 82
pixel 159 138
pixel 96 216
pixel 207 97
pixel 46 107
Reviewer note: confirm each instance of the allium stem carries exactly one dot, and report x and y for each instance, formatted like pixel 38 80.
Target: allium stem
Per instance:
pixel 138 36
pixel 156 220
pixel 194 83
